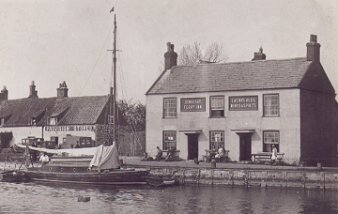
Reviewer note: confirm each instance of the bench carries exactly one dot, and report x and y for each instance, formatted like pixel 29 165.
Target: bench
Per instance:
pixel 174 157
pixel 266 157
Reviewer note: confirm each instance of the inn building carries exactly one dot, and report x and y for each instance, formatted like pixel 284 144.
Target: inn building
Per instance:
pixel 246 107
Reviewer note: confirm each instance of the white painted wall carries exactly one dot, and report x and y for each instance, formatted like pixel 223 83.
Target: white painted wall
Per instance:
pixel 22 132
pixel 63 134
pixel 288 123
pixel 40 132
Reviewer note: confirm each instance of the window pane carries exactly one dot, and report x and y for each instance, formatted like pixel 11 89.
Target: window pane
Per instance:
pixel 271 105
pixel 217 102
pixel 217 106
pixel 169 107
pixel 270 138
pixel 169 140
pixel 216 139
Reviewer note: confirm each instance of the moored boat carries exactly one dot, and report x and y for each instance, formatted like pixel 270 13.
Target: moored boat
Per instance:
pixel 104 169
pixel 80 175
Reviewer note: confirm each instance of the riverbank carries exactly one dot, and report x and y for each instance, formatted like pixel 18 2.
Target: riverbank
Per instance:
pixel 248 175
pixel 231 174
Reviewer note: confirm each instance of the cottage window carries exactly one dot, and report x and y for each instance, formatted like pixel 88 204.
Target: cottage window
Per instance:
pixel 169 107
pixel 270 139
pixel 52 121
pixel 216 139
pixel 217 106
pixel 32 121
pixel 271 105
pixel 169 140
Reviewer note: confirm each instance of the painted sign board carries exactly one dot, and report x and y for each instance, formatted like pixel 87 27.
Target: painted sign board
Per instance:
pixel 193 104
pixel 243 103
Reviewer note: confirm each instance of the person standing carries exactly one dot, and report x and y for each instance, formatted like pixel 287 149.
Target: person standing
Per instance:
pixel 273 154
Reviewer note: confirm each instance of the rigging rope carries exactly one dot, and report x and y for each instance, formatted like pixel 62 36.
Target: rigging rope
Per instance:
pixel 97 60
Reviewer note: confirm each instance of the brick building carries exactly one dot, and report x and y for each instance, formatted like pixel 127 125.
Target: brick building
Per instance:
pixel 246 107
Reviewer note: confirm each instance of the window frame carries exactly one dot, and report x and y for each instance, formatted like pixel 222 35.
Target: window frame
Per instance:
pixel 211 142
pixel 267 145
pixel 164 116
pixel 211 110
pixel 50 119
pixel 265 107
pixel 166 144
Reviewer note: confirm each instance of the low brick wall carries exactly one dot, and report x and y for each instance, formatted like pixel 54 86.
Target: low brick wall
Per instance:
pixel 252 178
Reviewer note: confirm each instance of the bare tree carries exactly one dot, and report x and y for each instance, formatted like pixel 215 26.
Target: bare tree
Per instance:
pixel 194 54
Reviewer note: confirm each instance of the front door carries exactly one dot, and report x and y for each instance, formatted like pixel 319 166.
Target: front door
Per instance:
pixel 192 146
pixel 245 147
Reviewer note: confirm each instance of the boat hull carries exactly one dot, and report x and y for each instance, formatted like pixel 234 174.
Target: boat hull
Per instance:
pixel 83 176
pixel 14 176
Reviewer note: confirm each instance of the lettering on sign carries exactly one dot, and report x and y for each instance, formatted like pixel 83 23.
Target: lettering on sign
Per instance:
pixel 243 103
pixel 193 104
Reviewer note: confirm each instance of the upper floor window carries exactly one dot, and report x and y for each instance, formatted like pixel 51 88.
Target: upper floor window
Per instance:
pixel 216 139
pixel 217 106
pixel 270 105
pixel 52 121
pixel 169 107
pixel 270 139
pixel 32 121
pixel 169 140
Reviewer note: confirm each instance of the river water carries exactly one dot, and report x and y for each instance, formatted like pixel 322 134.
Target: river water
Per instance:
pixel 51 198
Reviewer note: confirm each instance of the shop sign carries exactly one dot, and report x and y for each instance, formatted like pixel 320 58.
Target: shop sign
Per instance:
pixel 193 104
pixel 243 103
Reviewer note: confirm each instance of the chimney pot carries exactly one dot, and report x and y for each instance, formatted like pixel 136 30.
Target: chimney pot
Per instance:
pixel 313 49
pixel 313 38
pixel 259 55
pixel 62 91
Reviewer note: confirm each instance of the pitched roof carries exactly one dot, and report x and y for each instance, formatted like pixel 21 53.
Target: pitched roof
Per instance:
pixel 80 110
pixel 261 74
pixel 70 110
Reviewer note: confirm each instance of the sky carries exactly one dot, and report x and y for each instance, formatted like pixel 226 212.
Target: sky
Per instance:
pixel 51 41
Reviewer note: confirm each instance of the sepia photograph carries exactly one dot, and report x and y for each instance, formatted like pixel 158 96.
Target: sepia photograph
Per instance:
pixel 169 106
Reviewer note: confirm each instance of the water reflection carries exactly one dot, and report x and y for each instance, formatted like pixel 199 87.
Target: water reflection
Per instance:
pixel 37 198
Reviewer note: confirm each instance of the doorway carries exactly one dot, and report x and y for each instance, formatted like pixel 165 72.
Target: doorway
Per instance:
pixel 192 146
pixel 245 147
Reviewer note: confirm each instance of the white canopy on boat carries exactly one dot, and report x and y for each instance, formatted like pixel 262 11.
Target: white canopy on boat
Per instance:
pixel 75 152
pixel 105 157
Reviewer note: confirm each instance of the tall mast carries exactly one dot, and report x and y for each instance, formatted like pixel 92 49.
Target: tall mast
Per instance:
pixel 114 83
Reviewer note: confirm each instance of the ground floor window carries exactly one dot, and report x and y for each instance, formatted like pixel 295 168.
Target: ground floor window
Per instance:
pixel 270 139
pixel 216 139
pixel 169 140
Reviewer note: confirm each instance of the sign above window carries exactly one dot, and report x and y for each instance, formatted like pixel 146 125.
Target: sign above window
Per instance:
pixel 243 103
pixel 193 104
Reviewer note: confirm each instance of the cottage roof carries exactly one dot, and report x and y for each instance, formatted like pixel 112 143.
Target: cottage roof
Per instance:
pixel 253 75
pixel 69 110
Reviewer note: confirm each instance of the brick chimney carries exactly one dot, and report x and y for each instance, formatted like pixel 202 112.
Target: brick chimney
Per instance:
pixel 170 57
pixel 32 92
pixel 4 94
pixel 313 53
pixel 62 91
pixel 259 55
